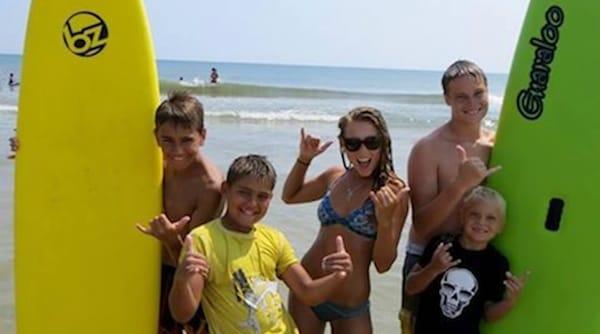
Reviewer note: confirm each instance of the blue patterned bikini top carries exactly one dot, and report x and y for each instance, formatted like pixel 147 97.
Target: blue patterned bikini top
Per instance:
pixel 358 221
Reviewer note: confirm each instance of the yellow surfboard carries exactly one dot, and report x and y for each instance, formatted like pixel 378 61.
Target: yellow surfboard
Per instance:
pixel 87 170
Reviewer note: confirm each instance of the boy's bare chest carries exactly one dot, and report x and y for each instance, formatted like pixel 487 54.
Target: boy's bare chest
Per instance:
pixel 180 198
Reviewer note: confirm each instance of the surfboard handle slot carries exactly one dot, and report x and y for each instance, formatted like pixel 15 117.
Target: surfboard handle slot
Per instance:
pixel 555 210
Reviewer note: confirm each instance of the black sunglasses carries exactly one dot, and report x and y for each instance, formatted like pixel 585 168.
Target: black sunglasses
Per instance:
pixel 371 143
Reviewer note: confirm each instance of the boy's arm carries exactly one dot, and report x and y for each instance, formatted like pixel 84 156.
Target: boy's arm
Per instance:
pixel 420 277
pixel 514 285
pixel 188 284
pixel 431 205
pixel 391 208
pixel 312 292
pixel 169 233
pixel 209 206
pixel 296 189
pixel 496 311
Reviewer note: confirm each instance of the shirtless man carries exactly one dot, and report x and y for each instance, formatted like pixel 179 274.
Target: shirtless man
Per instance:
pixel 445 165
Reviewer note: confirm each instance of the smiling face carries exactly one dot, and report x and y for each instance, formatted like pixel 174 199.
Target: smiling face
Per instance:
pixel 248 200
pixel 482 219
pixel 180 145
pixel 364 159
pixel 468 99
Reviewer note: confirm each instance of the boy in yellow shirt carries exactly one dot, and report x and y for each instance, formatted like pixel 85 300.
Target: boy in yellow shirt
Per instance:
pixel 231 265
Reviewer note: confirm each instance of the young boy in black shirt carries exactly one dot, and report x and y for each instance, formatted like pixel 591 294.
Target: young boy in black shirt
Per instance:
pixel 464 279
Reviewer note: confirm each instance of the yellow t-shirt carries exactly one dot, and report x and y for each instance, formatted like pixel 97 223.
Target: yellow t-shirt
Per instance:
pixel 240 294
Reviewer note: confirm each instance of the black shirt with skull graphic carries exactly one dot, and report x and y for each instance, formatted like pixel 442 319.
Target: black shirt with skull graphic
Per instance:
pixel 454 301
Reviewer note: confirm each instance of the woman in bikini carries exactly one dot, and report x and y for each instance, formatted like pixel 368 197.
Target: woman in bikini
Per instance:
pixel 364 202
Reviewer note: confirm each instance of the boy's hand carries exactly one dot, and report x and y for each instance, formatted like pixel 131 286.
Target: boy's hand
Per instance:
pixel 386 200
pixel 472 170
pixel 514 286
pixel 311 146
pixel 193 263
pixel 338 262
pixel 162 229
pixel 441 259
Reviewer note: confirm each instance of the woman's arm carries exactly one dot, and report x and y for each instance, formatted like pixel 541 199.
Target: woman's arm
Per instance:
pixel 296 189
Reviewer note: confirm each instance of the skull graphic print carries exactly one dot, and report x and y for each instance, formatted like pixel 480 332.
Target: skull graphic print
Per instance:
pixel 457 288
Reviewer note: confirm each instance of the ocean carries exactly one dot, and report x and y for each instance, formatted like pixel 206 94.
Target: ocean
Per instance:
pixel 260 108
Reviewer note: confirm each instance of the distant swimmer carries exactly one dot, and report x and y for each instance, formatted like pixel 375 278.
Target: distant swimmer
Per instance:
pixel 214 76
pixel 14 146
pixel 194 83
pixel 11 81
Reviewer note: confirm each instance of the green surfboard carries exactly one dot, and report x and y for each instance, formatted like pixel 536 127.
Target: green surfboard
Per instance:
pixel 547 146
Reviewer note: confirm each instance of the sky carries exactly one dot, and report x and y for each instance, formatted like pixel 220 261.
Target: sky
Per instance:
pixel 405 34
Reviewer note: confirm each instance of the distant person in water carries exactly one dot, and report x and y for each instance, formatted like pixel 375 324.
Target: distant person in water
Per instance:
pixel 11 81
pixel 214 76
pixel 14 146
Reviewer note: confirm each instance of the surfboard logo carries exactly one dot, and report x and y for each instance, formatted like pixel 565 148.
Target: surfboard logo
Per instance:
pixel 85 34
pixel 530 101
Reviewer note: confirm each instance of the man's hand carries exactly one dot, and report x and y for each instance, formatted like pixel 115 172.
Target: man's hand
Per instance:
pixel 472 170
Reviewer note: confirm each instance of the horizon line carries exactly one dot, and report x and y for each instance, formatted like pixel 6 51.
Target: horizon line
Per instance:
pixel 288 64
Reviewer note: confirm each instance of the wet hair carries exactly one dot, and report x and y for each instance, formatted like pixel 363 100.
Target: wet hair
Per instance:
pixel 252 165
pixel 482 193
pixel 181 109
pixel 461 68
pixel 385 169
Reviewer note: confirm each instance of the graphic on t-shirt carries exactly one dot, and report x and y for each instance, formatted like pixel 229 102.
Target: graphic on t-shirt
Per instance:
pixel 259 297
pixel 457 288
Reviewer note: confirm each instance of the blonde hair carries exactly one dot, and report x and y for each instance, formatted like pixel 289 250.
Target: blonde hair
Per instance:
pixel 483 193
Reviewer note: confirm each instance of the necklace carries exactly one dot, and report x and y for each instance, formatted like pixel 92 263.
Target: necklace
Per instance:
pixel 349 193
pixel 351 190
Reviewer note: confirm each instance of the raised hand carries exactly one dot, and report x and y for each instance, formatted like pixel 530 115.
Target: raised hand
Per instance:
pixel 193 262
pixel 164 230
pixel 311 146
pixel 441 259
pixel 472 170
pixel 514 285
pixel 338 262
pixel 387 199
